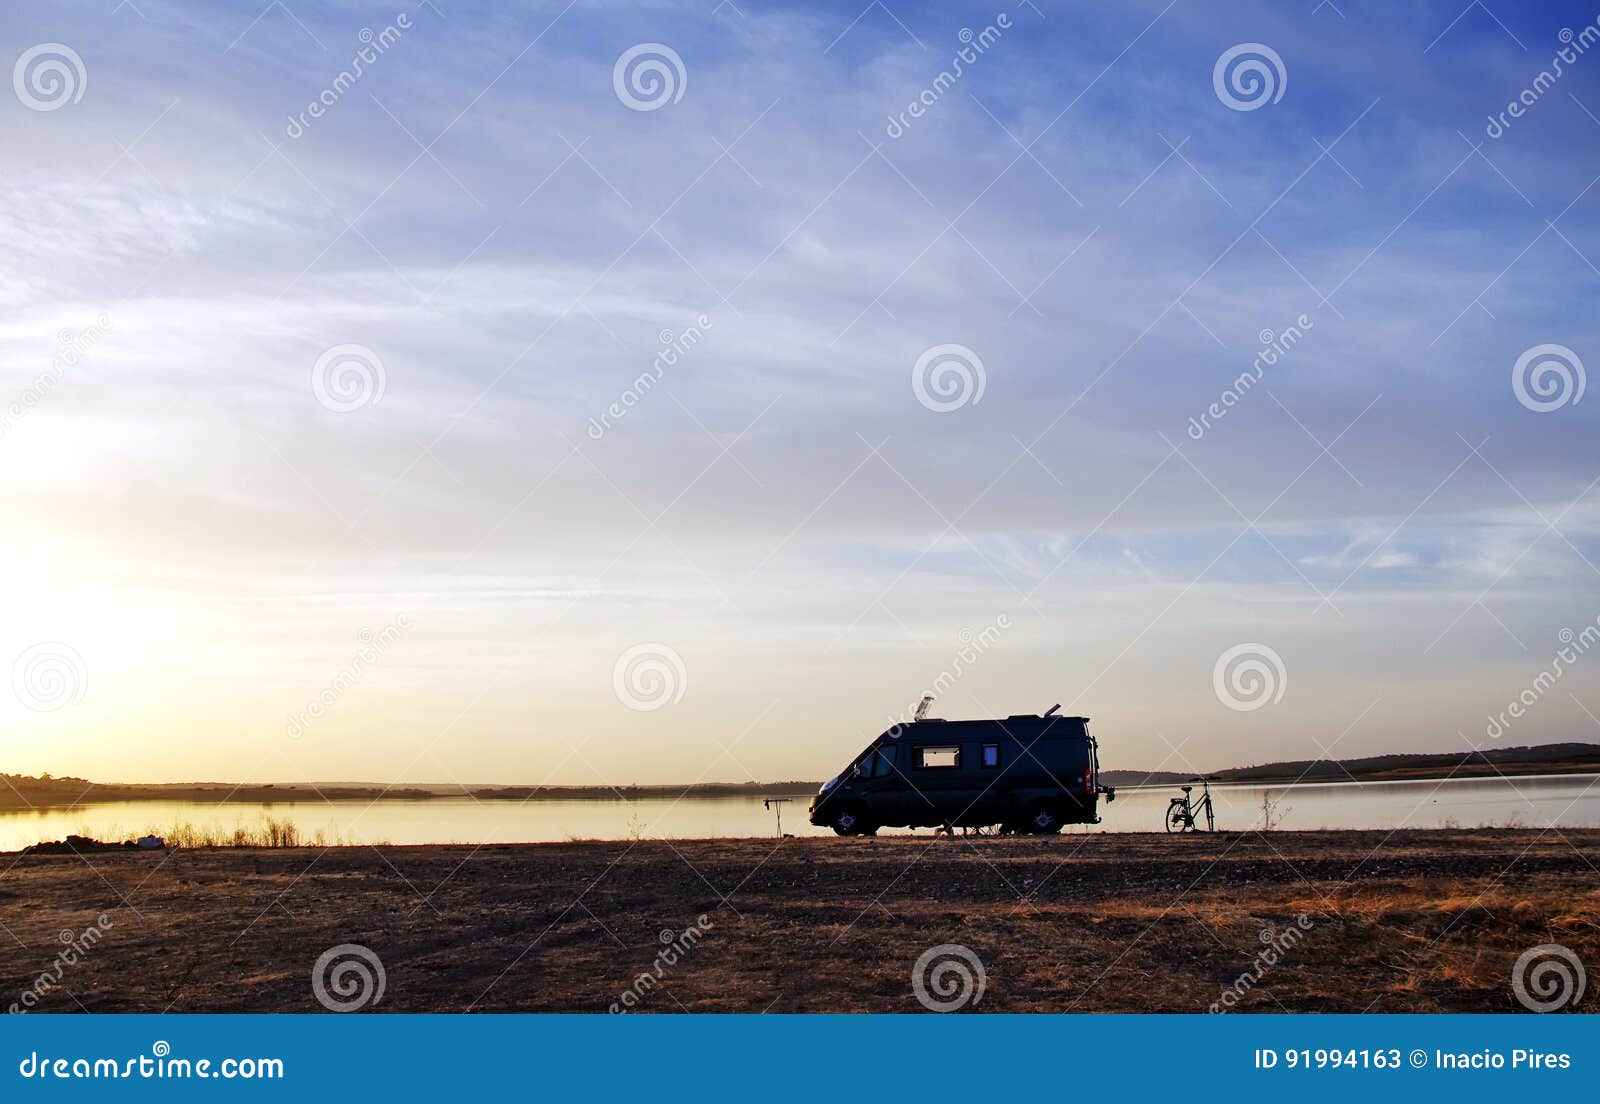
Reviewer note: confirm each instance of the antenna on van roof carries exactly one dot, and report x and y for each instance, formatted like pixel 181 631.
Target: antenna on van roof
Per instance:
pixel 922 707
pixel 1052 710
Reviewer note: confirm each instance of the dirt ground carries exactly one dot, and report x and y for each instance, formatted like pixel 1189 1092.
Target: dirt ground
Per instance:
pixel 1414 921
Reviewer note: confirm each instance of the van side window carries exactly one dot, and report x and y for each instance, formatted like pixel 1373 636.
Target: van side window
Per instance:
pixel 991 755
pixel 938 758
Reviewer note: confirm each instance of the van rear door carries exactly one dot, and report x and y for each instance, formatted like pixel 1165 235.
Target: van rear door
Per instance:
pixel 1092 788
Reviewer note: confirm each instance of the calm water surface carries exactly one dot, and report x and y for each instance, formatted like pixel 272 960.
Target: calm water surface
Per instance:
pixel 1570 801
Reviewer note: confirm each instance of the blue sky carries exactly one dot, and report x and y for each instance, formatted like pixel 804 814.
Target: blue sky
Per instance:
pixel 200 541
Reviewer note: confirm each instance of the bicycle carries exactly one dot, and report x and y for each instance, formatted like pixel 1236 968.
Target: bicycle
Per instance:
pixel 1182 812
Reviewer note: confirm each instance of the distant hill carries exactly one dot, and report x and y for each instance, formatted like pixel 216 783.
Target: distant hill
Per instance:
pixel 1132 778
pixel 1541 759
pixel 1570 758
pixel 21 791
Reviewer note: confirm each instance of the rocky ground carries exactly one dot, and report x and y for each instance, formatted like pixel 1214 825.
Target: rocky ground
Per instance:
pixel 1412 921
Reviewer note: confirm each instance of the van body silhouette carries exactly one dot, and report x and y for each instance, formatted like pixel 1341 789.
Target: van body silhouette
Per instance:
pixel 1026 773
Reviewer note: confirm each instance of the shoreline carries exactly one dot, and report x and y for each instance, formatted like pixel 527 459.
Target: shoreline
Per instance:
pixel 1408 921
pixel 309 792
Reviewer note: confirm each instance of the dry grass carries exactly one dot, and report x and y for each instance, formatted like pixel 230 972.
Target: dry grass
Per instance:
pixel 1416 921
pixel 270 833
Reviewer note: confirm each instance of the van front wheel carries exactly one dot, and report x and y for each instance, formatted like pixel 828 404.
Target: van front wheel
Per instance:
pixel 849 821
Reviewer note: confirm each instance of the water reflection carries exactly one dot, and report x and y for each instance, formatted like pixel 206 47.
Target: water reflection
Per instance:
pixel 1569 801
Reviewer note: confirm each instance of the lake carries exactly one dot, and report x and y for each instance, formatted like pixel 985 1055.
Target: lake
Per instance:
pixel 1539 801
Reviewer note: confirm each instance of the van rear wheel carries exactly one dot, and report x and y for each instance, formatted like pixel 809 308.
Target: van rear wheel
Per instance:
pixel 850 821
pixel 1043 820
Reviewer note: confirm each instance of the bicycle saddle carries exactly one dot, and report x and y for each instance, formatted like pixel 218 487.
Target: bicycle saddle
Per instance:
pixel 1185 789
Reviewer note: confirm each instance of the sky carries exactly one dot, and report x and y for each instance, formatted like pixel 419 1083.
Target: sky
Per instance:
pixel 607 393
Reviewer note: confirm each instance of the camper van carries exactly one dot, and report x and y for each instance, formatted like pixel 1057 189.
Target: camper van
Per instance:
pixel 1026 773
